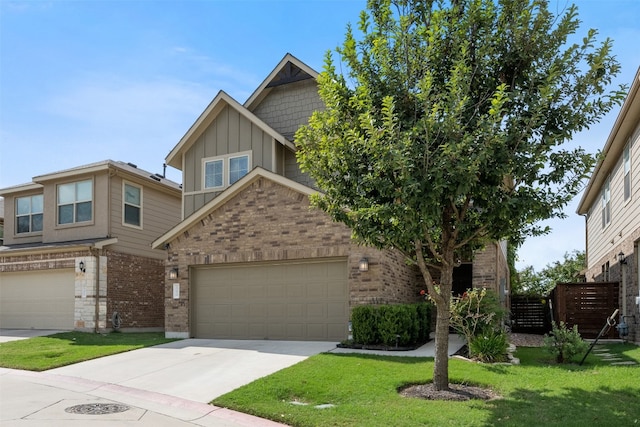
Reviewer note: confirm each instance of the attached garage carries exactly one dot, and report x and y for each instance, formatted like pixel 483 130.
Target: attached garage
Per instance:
pixel 303 301
pixel 37 299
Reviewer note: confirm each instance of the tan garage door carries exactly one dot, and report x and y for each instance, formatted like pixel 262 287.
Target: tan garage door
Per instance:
pixel 300 301
pixel 37 299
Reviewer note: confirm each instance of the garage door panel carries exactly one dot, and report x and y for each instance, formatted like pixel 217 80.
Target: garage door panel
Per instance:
pixel 295 301
pixel 42 299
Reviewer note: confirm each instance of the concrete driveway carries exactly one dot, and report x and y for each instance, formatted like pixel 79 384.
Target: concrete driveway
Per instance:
pixel 166 385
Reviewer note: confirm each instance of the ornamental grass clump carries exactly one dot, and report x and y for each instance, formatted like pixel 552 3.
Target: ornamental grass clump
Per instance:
pixel 564 343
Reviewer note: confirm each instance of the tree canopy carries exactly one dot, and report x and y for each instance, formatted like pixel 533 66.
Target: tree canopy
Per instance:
pixel 530 282
pixel 450 126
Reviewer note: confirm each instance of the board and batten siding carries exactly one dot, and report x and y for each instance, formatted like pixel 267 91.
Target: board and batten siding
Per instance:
pixel 604 243
pixel 160 212
pixel 231 132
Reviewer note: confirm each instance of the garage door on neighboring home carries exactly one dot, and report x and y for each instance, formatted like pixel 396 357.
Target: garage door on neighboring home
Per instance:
pixel 37 299
pixel 299 301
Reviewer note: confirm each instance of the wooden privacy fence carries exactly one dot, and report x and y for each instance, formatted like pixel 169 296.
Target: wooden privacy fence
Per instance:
pixel 585 304
pixel 530 314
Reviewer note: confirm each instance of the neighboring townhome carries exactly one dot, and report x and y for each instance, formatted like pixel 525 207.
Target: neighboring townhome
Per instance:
pixel 611 205
pixel 77 249
pixel 251 259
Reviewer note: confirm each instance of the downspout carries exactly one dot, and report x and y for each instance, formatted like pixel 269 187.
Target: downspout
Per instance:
pixel 96 254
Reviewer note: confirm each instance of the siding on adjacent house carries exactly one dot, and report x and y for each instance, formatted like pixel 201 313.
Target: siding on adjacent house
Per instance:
pixel 160 212
pixel 605 244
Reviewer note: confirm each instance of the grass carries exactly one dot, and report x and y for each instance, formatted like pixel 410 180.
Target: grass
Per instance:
pixel 363 389
pixel 66 348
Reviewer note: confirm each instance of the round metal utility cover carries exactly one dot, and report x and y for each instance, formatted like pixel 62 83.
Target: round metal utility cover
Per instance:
pixel 97 409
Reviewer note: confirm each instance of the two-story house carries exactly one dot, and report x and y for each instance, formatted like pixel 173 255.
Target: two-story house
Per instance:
pixel 251 258
pixel 77 249
pixel 611 206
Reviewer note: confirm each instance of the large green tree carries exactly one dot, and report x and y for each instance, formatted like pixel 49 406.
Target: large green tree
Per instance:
pixel 449 129
pixel 530 282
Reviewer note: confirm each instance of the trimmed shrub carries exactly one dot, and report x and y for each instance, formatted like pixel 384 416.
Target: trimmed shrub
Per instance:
pixel 391 325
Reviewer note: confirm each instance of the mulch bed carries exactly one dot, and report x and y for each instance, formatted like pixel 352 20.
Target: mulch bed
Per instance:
pixel 456 392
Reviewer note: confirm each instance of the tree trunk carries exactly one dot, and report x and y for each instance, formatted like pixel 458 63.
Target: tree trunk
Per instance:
pixel 441 366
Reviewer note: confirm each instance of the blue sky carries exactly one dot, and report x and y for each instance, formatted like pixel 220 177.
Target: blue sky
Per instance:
pixel 85 81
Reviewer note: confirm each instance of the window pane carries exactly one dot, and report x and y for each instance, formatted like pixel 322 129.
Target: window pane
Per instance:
pixel 84 191
pixel 83 212
pixel 132 195
pixel 37 204
pixel 23 224
pixel 213 174
pixel 65 214
pixel 36 222
pixel 66 194
pixel 238 167
pixel 23 206
pixel 131 215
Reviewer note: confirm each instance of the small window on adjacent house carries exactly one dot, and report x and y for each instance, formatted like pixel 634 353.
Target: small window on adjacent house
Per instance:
pixel 221 172
pixel 132 209
pixel 626 160
pixel 29 214
pixel 606 204
pixel 75 202
pixel 605 272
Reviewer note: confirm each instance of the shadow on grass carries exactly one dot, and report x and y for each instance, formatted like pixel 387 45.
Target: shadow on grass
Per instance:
pixel 396 358
pixel 568 407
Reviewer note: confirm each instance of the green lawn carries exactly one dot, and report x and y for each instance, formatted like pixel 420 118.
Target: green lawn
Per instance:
pixel 364 391
pixel 66 348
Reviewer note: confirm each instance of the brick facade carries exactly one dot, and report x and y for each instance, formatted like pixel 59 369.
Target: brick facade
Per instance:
pixel 135 291
pixel 270 222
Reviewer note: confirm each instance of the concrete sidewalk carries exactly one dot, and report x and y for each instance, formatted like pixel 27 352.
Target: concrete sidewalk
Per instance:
pixel 166 385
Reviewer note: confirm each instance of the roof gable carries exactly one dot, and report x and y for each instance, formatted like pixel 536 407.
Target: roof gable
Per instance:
pixel 290 69
pixel 222 99
pixel 225 196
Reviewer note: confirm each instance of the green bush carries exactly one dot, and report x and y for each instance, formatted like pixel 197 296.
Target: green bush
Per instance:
pixel 391 325
pixel 364 323
pixel 564 343
pixel 476 311
pixel 490 346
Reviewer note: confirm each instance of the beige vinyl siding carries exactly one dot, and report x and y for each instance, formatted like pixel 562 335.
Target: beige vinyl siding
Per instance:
pixel 231 132
pixel 160 212
pixel 625 215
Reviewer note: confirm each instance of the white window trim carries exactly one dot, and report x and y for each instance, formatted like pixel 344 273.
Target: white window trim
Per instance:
pixel 225 168
pixel 93 206
pixel 124 203
pixel 627 150
pixel 30 215
pixel 605 199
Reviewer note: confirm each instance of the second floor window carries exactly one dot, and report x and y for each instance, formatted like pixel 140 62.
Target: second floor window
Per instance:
pixel 29 214
pixel 132 205
pixel 75 202
pixel 221 172
pixel 626 161
pixel 605 197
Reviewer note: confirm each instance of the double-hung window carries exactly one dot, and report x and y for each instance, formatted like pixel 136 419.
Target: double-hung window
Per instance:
pixel 221 172
pixel 626 162
pixel 605 197
pixel 132 205
pixel 75 202
pixel 29 214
